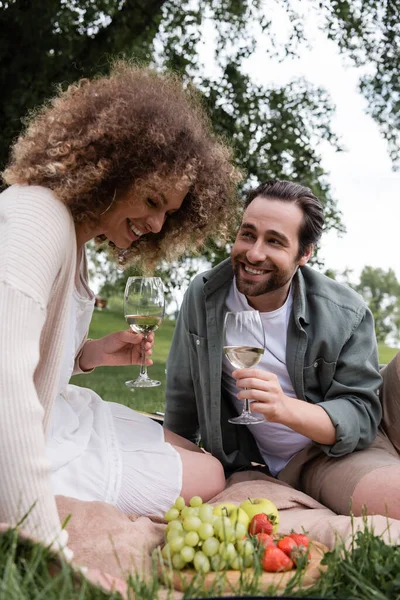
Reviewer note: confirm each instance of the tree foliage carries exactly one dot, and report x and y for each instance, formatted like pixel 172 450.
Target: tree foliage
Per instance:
pixel 368 32
pixel 381 290
pixel 276 131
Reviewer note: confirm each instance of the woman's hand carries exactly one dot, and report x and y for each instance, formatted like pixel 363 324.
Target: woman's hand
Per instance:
pixel 116 349
pixel 265 390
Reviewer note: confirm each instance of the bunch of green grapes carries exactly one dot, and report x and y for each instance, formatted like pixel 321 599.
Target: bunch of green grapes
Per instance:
pixel 197 538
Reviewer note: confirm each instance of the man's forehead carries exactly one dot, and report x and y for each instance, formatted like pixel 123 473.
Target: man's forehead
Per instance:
pixel 264 209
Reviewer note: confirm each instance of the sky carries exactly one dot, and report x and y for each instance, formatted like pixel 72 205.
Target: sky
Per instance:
pixel 361 178
pixel 362 181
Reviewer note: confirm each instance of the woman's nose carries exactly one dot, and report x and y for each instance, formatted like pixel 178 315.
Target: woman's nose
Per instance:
pixel 155 222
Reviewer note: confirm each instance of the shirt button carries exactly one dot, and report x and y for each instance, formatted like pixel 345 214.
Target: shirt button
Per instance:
pixel 315 364
pixel 198 342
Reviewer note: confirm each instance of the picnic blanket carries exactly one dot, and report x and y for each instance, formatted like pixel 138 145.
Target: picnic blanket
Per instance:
pixel 112 544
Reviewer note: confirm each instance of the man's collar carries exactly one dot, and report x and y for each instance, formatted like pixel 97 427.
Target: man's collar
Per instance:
pixel 300 307
pixel 218 276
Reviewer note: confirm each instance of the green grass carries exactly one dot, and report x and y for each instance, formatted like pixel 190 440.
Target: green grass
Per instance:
pixel 367 570
pixel 108 382
pixel 386 353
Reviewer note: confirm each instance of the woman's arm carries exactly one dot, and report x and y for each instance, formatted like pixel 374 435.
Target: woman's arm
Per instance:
pixel 25 489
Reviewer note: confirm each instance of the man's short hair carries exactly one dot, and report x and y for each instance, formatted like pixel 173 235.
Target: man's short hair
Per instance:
pixel 288 191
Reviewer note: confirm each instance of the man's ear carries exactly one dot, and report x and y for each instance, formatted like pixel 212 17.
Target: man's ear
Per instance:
pixel 306 256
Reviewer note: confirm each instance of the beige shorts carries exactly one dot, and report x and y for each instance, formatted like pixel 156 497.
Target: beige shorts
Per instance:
pixel 332 481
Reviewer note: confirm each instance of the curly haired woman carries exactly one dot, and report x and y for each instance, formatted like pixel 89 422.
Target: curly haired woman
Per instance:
pixel 129 158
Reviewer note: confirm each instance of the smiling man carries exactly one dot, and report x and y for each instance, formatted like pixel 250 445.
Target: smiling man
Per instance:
pixel 318 380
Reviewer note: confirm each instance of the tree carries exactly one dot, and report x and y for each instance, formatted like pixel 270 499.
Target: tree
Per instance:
pixel 368 32
pixel 381 290
pixel 276 132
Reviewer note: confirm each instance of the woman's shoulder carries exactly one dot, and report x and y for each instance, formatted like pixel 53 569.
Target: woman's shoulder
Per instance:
pixel 33 200
pixel 38 238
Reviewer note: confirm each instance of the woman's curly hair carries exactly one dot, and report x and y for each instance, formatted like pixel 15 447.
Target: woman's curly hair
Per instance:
pixel 102 136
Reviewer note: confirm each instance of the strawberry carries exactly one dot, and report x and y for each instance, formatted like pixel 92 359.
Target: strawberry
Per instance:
pixel 275 560
pixel 265 540
pixel 301 539
pixel 287 545
pixel 260 523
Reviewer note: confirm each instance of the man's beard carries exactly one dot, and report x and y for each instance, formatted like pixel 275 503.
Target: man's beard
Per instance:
pixel 276 279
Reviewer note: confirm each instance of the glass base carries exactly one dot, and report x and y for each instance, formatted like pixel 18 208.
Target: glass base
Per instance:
pixel 247 419
pixel 143 382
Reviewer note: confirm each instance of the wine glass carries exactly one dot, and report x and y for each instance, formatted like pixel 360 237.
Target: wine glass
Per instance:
pixel 144 306
pixel 244 343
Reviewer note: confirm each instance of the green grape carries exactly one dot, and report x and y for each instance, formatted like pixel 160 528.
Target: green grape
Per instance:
pixel 206 530
pixel 196 501
pixel 171 514
pixel 248 560
pixel 245 548
pixel 180 503
pixel 174 526
pixel 206 513
pixel 236 563
pixel 176 544
pixel 191 523
pixel 187 553
pixel 227 550
pixel 218 563
pixel 188 511
pixel 201 562
pixel 178 562
pixel 192 538
pixel 166 552
pixel 240 530
pixel 224 529
pixel 173 534
pixel 210 546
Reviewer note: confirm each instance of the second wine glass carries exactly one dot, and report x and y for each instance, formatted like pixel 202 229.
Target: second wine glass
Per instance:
pixel 144 307
pixel 244 343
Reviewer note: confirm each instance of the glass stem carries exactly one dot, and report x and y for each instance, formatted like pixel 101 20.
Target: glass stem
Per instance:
pixel 246 409
pixel 143 368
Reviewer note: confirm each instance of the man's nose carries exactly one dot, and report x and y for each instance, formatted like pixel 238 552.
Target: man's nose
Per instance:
pixel 257 253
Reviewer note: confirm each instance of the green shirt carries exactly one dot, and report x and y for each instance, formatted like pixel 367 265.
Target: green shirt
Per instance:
pixel 331 358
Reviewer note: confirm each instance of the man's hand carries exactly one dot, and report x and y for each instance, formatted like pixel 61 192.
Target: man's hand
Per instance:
pixel 265 390
pixel 116 349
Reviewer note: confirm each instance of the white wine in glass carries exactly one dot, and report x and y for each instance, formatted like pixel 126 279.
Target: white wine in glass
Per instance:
pixel 144 306
pixel 244 343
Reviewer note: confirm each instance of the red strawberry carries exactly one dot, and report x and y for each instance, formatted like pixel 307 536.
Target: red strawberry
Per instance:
pixel 301 539
pixel 287 545
pixel 260 524
pixel 264 539
pixel 275 560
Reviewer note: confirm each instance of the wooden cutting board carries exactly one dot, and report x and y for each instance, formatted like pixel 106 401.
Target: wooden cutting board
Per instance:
pixel 230 580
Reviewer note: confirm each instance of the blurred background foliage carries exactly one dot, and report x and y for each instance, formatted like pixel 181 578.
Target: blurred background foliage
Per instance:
pixel 276 132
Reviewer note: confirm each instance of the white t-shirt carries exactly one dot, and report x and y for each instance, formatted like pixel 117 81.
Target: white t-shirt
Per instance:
pixel 277 443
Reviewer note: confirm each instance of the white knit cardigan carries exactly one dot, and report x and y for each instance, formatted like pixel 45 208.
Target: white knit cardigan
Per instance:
pixel 37 271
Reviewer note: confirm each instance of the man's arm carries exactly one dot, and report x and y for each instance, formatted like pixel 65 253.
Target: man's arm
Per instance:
pixel 181 410
pixel 347 417
pixel 352 401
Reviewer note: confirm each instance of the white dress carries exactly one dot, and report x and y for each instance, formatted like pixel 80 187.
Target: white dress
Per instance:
pixel 102 450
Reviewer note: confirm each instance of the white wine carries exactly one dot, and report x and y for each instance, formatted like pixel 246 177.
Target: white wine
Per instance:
pixel 143 323
pixel 243 357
